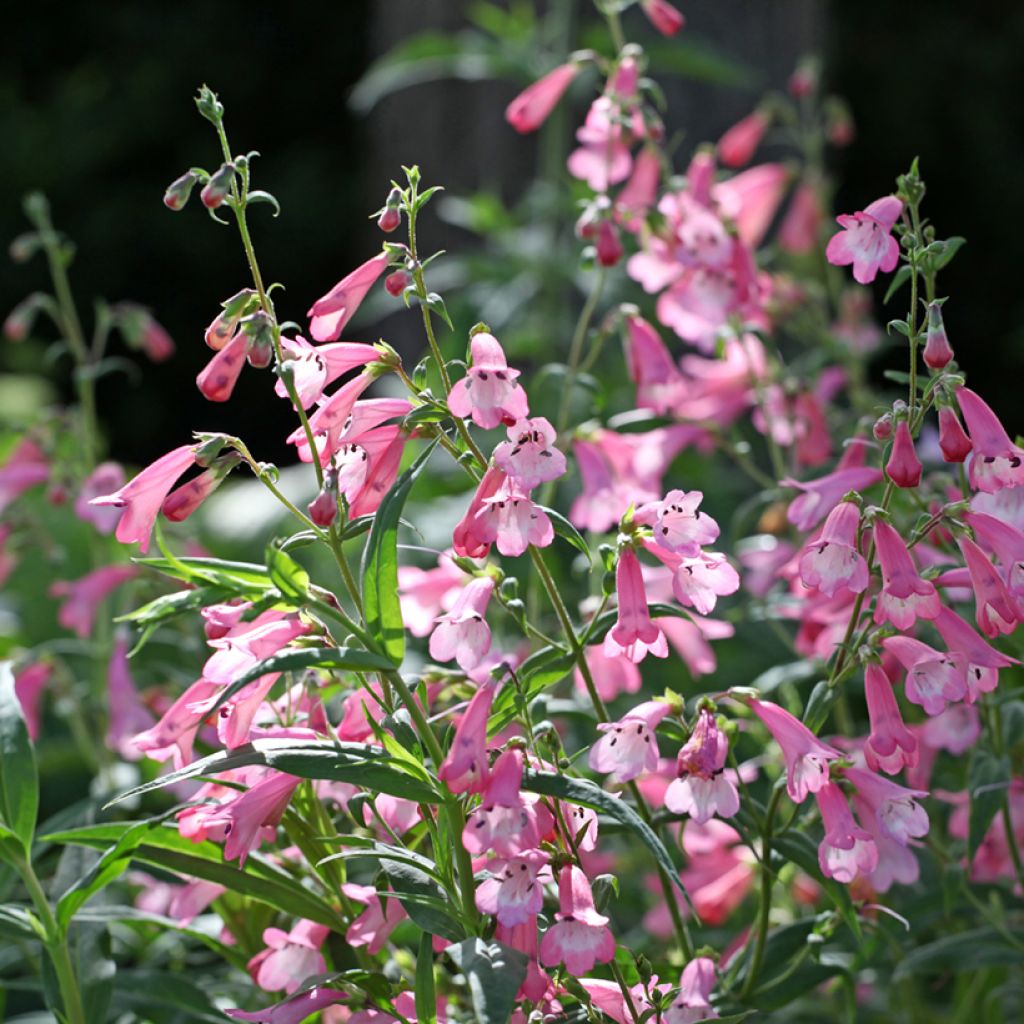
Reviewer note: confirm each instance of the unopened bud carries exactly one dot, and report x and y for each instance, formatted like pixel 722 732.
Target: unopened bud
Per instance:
pixel 24 247
pixel 209 448
pixel 260 354
pixel 937 351
pixel 178 191
pixel 882 430
pixel 209 106
pixel 224 325
pixel 609 247
pixel 904 467
pixel 20 319
pixel 217 188
pixel 397 282
pixel 389 219
pixel 323 509
pixel 953 441
pixel 804 80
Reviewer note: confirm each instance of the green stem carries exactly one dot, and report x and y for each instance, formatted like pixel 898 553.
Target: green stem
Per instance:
pixel 764 909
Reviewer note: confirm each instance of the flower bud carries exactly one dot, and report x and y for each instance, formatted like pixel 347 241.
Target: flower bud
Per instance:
pixel 25 246
pixel 937 350
pixel 389 219
pixel 804 80
pixel 225 323
pixel 323 509
pixel 904 467
pixel 397 282
pixel 217 188
pixel 20 319
pixel 178 191
pixel 609 248
pixel 663 16
pixel 260 354
pixel 882 430
pixel 209 106
pixel 738 145
pixel 953 441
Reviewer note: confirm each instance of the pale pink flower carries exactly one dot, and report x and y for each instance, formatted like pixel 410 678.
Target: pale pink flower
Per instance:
pixel 489 392
pixel 896 862
pixel 701 788
pixel 513 521
pixel 293 1010
pixel 890 745
pixel 580 936
pixel 426 593
pixel 751 198
pixel 531 108
pixel 832 562
pixel 25 467
pixel 603 158
pixel 997 462
pixel 106 477
pixel 933 679
pixel 514 893
pixel 847 849
pixel 612 675
pixel 699 582
pixel 690 638
pixel 290 957
pixel 983 661
pixel 738 145
pixel 375 924
pixel 608 997
pixel 465 768
pixel 191 899
pixel 659 382
pixel 313 367
pixel 173 735
pixel 331 419
pixel 866 240
pixel 801 227
pixel 894 807
pixel 529 456
pixel 692 1003
pixel 603 497
pixel 905 596
pixel 329 314
pixel 640 193
pixel 463 633
pixel 629 747
pixel 819 497
pixel 504 821
pixel 29 684
pixel 995 609
pixel 83 598
pixel 220 619
pixel 634 635
pixel 680 526
pixel 807 758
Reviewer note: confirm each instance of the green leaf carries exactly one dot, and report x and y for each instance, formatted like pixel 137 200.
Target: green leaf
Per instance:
pixel 426 1000
pixel 378 851
pixel 19 783
pixel 988 778
pixel 168 606
pixel 820 703
pixel 151 995
pixel 900 278
pixel 238 577
pixel 950 248
pixel 965 951
pixel 286 574
pixel 541 670
pixel 586 793
pixel 800 849
pixel 18 922
pixel 493 973
pixel 423 900
pixel 259 196
pixel 567 531
pixel 380 565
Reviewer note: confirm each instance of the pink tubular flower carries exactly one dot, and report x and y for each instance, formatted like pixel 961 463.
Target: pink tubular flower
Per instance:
pixel 524 938
pixel 894 807
pixel 375 924
pixel 659 382
pixel 25 467
pixel 954 443
pixel 531 108
pixel 489 392
pixel 634 635
pixel 832 562
pixel 106 477
pixel 218 378
pixel 904 467
pixel 465 768
pixel 847 850
pixel 513 521
pixel 807 758
pixel 701 788
pixel 468 535
pixel 245 817
pixel 905 596
pixel 292 1010
pixel 331 419
pixel 699 582
pixel 801 227
pixel 425 593
pixel 529 456
pixel 696 984
pixel 463 633
pixel 603 157
pixel 184 500
pixel 937 350
pixel 173 735
pixel 29 684
pixel 127 714
pixel 997 462
pixel 629 747
pixel 514 893
pixel 680 525
pixel 933 678
pixel 738 145
pixel 329 314
pixel 504 821
pixel 663 16
pixel 580 937
pixel 820 496
pixel 890 746
pixel 142 496
pixel 84 597
pixel 995 609
pixel 313 367
pixel 983 661
pixel 866 240
pixel 290 957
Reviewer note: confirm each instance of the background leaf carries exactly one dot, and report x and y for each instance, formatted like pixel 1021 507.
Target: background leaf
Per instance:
pixel 19 783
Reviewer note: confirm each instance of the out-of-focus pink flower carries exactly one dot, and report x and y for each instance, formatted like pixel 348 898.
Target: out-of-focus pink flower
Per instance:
pixel 904 467
pixel 375 924
pixel 29 684
pixel 612 676
pixel 738 145
pixel 933 678
pixel 25 467
pixel 890 745
pixel 819 497
pixel 603 498
pixel 701 788
pixel 580 936
pixel 329 314
pixel 313 367
pixel 290 957
pixel 143 495
pixel 83 598
pixel 905 596
pixel 696 984
pixel 832 562
pixel 866 240
pixel 127 714
pixel 801 227
pixel 532 107
pixel 425 593
pixel 751 198
pixel 690 638
pixel 629 746
pixel 847 849
pixel 807 758
pixel 174 733
pixel 603 158
pixel 465 768
pixel 663 16
pixel 634 635
pixel 640 193
pixel 191 899
pixel 489 392
pixel 293 1010
pixel 659 382
pixel 997 462
pixel 463 633
pixel 106 477
pixel 529 456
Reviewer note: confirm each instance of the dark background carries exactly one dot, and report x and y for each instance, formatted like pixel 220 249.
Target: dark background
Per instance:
pixel 96 110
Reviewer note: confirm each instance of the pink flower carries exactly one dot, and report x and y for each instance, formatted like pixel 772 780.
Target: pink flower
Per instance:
pixel 531 108
pixel 174 733
pixel 191 899
pixel 820 496
pixel 489 392
pixel 127 714
pixel 425 593
pixel 995 609
pixel 692 1003
pixel 604 497
pixel 807 758
pixel 84 597
pixel 529 455
pixel 738 145
pixel 218 378
pixel 106 477
pixel 847 850
pixel 866 240
pixel 629 746
pixel 603 158
pixel 293 1010
pixel 639 194
pixel 329 314
pixel 832 562
pixel 663 16
pixel 512 520
pixel 997 462
pixel 896 863
pixel 244 818
pixel 680 525
pixel 313 367
pixel 937 350
pixel 953 442
pixel 468 535
pixel 465 768
pixel 523 937
pixel 580 937
pixel 463 633
pixel 29 684
pixel 514 893
pixel 184 500
pixel 25 467
pixel 375 924
pixel 750 199
pixel 903 467
pixel 894 807
pixel 933 678
pixel 634 635
pixel 504 821
pixel 142 496
pixel 701 788
pixel 801 227
pixel 290 957
pixel 331 419
pixel 690 638
pixel 699 582
pixel 983 661
pixel 659 382
pixel 890 745
pixel 905 596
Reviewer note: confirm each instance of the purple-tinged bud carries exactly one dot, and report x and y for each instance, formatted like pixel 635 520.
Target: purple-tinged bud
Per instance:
pixel 937 350
pixel 178 191
pixel 882 430
pixel 397 282
pixel 904 467
pixel 260 354
pixel 953 441
pixel 225 324
pixel 323 509
pixel 609 247
pixel 217 188
pixel 389 219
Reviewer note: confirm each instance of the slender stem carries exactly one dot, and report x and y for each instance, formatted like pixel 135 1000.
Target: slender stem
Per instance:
pixel 576 348
pixel 764 910
pixel 624 989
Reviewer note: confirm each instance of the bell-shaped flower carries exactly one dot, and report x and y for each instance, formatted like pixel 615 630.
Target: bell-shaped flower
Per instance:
pixel 184 500
pixel 29 684
pixel 896 863
pixel 693 1001
pixel 629 746
pixel 847 849
pixel 611 676
pixel 680 526
pixel 529 456
pixel 313 367
pixel 173 735
pixel 127 715
pixel 699 582
pixel 83 598
pixel 603 157
pixel 807 758
pixel 463 633
pixel 523 937
pixel 603 497
pixel 425 593
pixel 143 495
pixel 659 382
pixel 905 596
pixel 954 443
pixel 511 519
pixel 934 679
pixel 894 807
pixel 514 893
pixel 890 745
pixel 531 108
pixel 465 768
pixel 329 314
pixel 373 926
pixel 904 467
pixel 580 936
pixel 468 535
pixel 995 609
pixel 290 957
pixel 489 392
pixel 983 661
pixel 294 1009
pixel 701 789
pixel 937 352
pixel 997 462
pixel 832 562
pixel 258 808
pixel 504 821
pixel 634 635
pixel 866 240
pixel 801 227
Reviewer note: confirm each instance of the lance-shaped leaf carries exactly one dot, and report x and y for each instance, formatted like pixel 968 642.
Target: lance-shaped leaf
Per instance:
pixel 493 973
pixel 19 783
pixel 239 577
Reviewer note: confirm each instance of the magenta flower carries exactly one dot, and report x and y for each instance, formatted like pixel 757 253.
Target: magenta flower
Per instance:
pixel 738 145
pixel 832 562
pixel 329 314
pixel 106 477
pixel 580 936
pixel 847 849
pixel 313 367
pixel 905 596
pixel 866 240
pixel 489 392
pixel 983 661
pixel 505 821
pixel 954 443
pixel 894 807
pixel 142 496
pixel 465 768
pixel 890 746
pixel 463 633
pixel 127 714
pixel 995 609
pixel 184 500
pixel 293 1010
pixel 663 16
pixel 375 924
pixel 29 684
pixel 245 818
pixel 997 461
pixel 819 497
pixel 904 467
pixel 84 597
pixel 933 678
pixel 529 456
pixel 511 519
pixel 692 1003
pixel 514 893
pixel 531 108
pixel 701 788
pixel 629 747
pixel 807 758
pixel 1006 541
pixel 634 635
pixel 290 957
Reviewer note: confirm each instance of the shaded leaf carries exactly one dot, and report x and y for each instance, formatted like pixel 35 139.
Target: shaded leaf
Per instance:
pixel 988 779
pixel 493 973
pixel 964 951
pixel 19 782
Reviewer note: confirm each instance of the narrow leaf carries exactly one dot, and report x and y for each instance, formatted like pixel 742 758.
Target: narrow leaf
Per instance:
pixel 19 783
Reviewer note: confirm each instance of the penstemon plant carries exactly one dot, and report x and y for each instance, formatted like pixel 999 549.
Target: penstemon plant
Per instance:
pixel 418 765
